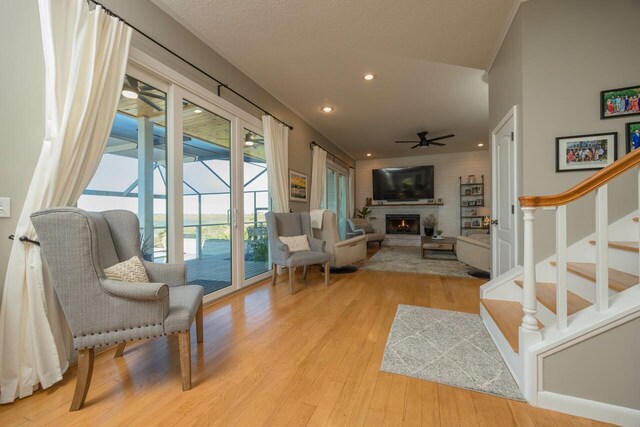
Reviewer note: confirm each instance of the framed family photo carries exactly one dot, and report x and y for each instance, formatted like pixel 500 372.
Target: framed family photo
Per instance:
pixel 586 152
pixel 297 186
pixel 633 136
pixel 619 102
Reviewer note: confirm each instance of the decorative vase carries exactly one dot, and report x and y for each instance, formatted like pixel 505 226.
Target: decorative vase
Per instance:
pixel 471 179
pixel 428 231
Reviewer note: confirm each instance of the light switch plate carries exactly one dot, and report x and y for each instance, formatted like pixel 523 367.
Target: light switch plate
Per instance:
pixel 5 207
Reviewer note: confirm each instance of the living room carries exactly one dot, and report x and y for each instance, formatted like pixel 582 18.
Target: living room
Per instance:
pixel 301 213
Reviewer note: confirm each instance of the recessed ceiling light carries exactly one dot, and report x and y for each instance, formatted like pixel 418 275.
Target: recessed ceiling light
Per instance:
pixel 368 154
pixel 369 76
pixel 128 93
pixel 481 145
pixel 197 111
pixel 327 109
pixel 248 143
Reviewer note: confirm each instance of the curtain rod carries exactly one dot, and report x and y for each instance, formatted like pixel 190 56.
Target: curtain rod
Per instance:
pixel 312 143
pixel 220 83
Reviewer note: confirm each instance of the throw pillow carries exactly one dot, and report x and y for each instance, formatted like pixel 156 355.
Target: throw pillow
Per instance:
pixel 368 228
pixel 296 243
pixel 128 271
pixel 364 225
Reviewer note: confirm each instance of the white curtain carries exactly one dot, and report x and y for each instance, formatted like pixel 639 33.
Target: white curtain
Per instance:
pixel 351 198
pixel 276 148
pixel 318 178
pixel 85 57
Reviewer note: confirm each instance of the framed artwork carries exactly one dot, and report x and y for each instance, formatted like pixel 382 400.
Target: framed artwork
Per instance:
pixel 297 186
pixel 619 102
pixel 476 223
pixel 467 224
pixel 586 152
pixel 467 192
pixel 465 203
pixel 633 136
pixel 479 202
pixel 472 202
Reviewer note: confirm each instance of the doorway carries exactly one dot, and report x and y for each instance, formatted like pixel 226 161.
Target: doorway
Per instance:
pixel 505 212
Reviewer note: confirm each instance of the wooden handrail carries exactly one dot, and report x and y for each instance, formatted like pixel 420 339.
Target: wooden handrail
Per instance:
pixel 585 187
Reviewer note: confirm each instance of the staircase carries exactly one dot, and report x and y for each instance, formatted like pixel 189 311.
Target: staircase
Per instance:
pixel 539 310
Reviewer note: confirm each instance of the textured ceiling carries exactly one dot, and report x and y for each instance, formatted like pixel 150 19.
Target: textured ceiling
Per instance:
pixel 428 57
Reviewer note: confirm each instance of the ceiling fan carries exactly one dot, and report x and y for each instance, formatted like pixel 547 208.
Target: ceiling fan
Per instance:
pixel 424 141
pixel 134 89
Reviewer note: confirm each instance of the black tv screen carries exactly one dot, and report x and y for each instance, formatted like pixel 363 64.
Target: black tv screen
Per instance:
pixel 403 184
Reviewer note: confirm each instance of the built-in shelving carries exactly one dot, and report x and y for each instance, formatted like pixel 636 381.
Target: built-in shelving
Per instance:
pixel 471 192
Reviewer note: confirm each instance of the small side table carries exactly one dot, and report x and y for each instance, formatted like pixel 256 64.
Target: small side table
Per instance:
pixel 429 244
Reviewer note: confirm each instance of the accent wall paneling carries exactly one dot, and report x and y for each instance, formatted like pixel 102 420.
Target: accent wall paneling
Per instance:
pixel 447 170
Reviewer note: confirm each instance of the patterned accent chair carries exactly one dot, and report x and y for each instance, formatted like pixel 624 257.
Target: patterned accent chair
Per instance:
pixel 77 246
pixel 288 225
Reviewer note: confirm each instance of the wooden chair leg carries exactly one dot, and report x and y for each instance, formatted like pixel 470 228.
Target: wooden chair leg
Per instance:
pixel 275 274
pixel 119 350
pixel 304 273
pixel 327 268
pixel 184 341
pixel 199 324
pixel 85 369
pixel 292 276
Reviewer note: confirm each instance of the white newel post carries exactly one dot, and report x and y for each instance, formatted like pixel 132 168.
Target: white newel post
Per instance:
pixel 529 335
pixel 529 303
pixel 602 248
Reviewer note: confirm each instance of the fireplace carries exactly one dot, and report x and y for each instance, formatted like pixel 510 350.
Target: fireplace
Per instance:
pixel 403 224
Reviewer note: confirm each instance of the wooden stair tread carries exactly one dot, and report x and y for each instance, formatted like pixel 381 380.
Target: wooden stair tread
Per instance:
pixel 508 316
pixel 546 294
pixel 625 246
pixel 618 280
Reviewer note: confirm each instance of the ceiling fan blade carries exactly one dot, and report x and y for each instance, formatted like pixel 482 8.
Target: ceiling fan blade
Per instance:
pixel 407 142
pixel 441 137
pixel 419 144
pixel 437 143
pixel 152 95
pixel 146 101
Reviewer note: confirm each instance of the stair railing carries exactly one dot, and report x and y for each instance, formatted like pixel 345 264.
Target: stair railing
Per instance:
pixel 598 182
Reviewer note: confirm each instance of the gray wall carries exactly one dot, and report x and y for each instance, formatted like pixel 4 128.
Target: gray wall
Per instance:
pixel 22 75
pixel 609 374
pixel 553 64
pixel 505 91
pixel 556 58
pixel 21 110
pixel 569 56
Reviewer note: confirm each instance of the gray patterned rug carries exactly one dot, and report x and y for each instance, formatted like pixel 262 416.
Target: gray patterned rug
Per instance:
pixel 447 347
pixel 407 259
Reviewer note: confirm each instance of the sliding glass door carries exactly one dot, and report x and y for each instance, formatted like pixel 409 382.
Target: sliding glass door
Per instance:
pixel 192 167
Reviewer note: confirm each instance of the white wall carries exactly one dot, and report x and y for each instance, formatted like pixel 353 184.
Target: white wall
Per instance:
pixel 447 168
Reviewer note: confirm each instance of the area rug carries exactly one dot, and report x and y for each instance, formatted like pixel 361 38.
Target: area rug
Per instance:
pixel 407 259
pixel 447 347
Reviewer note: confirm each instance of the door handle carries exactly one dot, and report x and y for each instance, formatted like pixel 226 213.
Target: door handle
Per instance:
pixel 494 222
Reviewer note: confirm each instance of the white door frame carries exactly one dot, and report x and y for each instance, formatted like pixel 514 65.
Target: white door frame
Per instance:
pixel 517 189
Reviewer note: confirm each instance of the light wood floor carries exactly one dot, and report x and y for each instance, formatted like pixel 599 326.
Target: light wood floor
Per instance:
pixel 270 359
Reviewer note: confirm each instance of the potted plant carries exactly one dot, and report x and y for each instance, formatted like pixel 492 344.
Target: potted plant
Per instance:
pixel 429 223
pixel 438 234
pixel 364 212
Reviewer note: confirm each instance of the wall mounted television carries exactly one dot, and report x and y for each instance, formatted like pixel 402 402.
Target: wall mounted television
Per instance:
pixel 403 184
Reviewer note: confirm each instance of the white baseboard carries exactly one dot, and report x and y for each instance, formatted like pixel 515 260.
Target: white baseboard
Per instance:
pixel 589 409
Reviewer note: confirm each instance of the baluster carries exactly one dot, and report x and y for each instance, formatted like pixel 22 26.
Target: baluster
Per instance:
pixel 530 302
pixel 561 266
pixel 602 248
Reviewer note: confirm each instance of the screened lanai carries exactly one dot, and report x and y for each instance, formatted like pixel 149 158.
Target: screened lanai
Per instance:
pixel 132 175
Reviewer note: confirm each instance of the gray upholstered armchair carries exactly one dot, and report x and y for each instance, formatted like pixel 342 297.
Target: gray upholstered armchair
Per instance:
pixel 288 225
pixel 77 246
